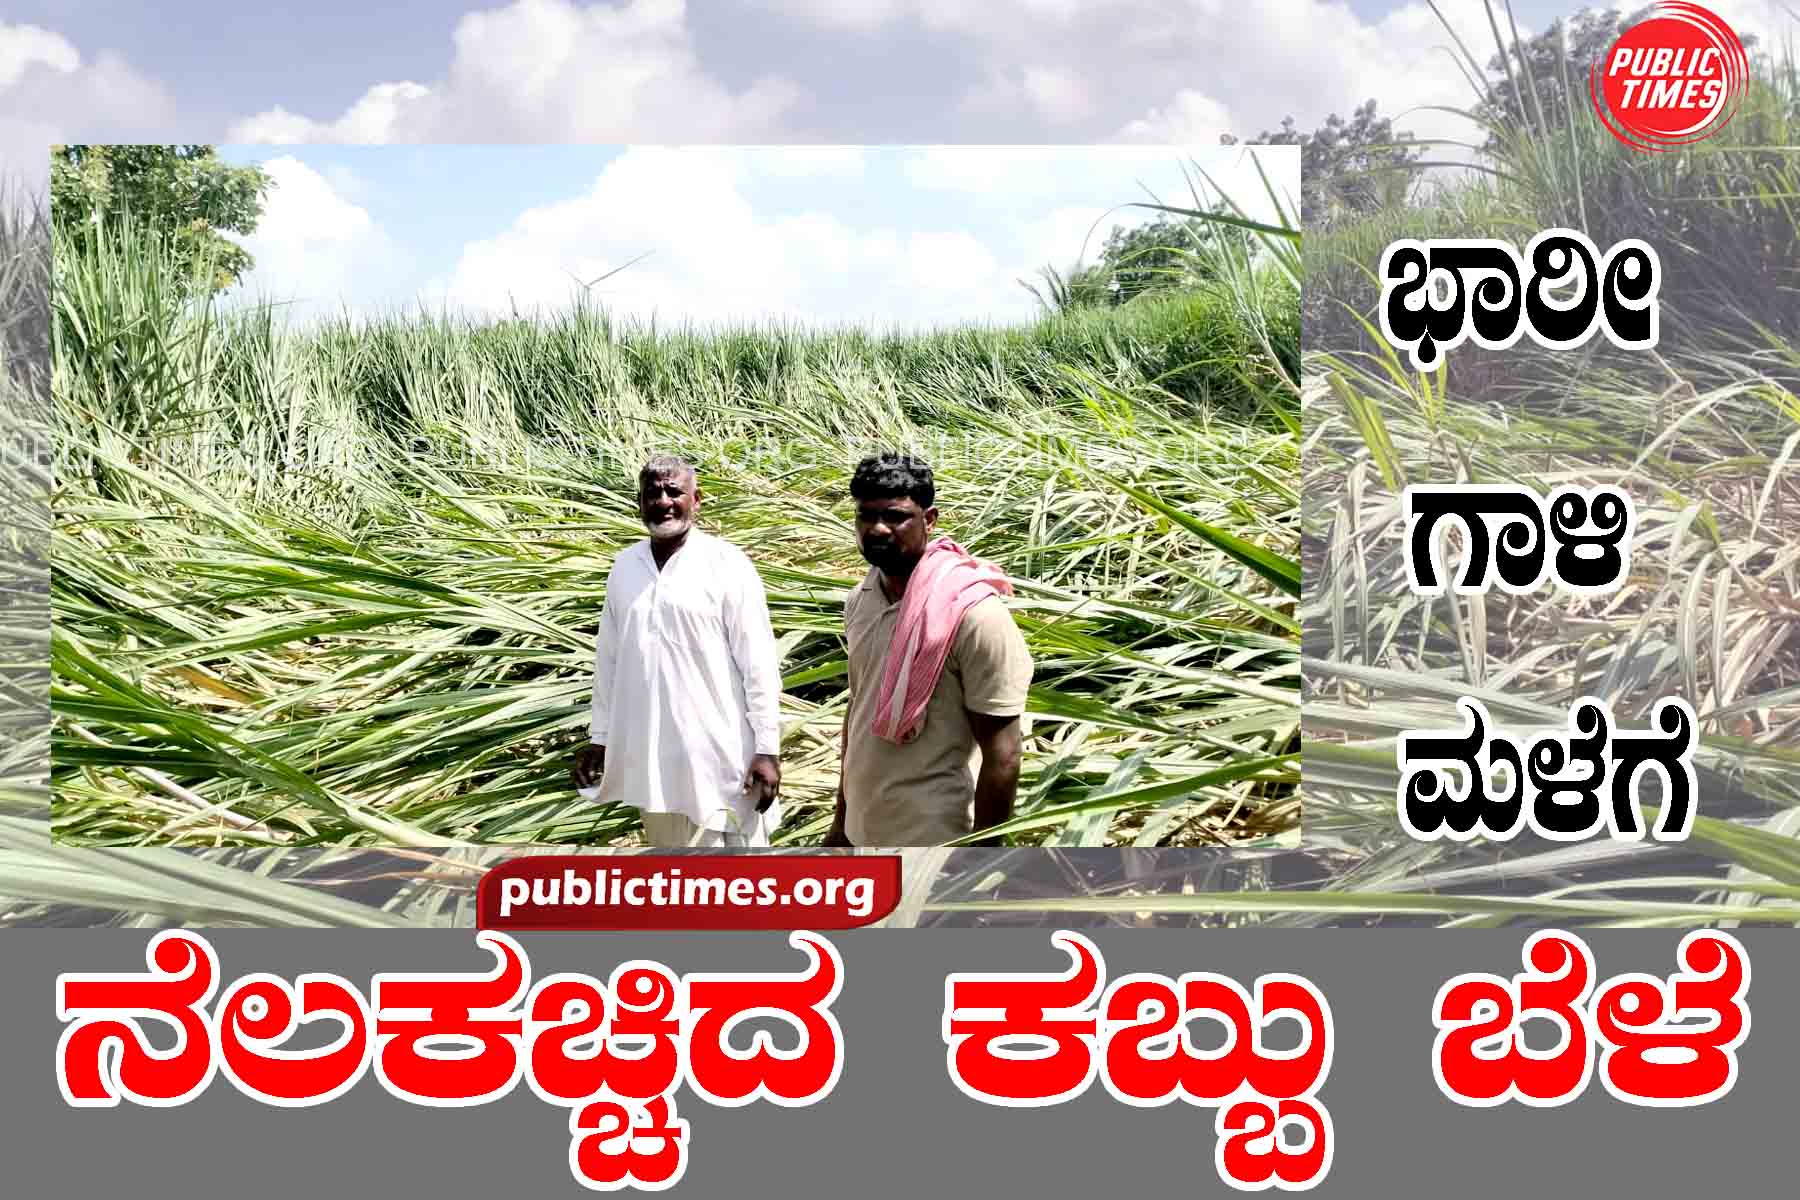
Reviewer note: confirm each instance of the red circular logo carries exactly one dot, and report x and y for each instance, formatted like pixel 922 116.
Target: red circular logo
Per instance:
pixel 1670 80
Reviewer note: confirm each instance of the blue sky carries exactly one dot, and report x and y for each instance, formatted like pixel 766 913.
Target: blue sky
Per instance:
pixel 880 236
pixel 224 58
pixel 296 85
pixel 839 71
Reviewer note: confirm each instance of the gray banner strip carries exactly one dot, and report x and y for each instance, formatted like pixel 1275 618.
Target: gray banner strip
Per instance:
pixel 896 1125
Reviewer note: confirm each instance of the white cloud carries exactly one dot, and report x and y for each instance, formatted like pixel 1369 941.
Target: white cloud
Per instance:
pixel 1064 236
pixel 994 17
pixel 1005 172
pixel 629 71
pixel 313 246
pixel 50 93
pixel 1061 97
pixel 345 182
pixel 714 258
pixel 553 70
pixel 1198 68
pixel 1772 21
pixel 1408 62
pixel 371 119
pixel 860 16
pixel 804 162
pixel 24 154
pixel 22 46
pixel 1016 178
pixel 1189 117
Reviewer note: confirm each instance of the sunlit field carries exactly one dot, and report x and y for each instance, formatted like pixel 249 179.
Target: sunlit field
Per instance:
pixel 338 584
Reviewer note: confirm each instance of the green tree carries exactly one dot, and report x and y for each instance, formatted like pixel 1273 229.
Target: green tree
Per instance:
pixel 1167 254
pixel 1349 168
pixel 1552 70
pixel 182 193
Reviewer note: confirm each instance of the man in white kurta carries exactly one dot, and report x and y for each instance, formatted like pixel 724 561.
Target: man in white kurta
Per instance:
pixel 687 682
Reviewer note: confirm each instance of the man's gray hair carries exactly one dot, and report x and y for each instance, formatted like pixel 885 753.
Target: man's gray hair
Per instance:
pixel 667 464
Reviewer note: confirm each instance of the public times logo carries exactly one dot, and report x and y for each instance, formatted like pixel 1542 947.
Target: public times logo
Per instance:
pixel 1671 79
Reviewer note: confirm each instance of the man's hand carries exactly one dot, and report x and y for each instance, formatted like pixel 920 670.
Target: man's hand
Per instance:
pixel 837 838
pixel 762 782
pixel 589 766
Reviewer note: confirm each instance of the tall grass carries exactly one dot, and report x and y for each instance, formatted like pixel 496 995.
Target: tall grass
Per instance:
pixel 25 436
pixel 338 585
pixel 1703 434
pixel 431 549
pixel 1722 213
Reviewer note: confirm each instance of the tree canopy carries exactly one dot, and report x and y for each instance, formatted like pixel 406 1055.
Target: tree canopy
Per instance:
pixel 1166 254
pixel 183 193
pixel 1348 168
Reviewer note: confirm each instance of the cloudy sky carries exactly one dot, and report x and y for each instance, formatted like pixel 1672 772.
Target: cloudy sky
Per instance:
pixel 880 237
pixel 909 236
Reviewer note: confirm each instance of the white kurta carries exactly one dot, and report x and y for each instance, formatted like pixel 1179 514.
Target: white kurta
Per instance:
pixel 687 683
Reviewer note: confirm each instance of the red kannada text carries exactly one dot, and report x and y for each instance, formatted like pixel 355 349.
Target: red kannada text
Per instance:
pixel 612 1054
pixel 1021 1039
pixel 1661 1043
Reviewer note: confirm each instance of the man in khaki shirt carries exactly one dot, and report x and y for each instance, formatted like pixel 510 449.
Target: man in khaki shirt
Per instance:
pixel 958 772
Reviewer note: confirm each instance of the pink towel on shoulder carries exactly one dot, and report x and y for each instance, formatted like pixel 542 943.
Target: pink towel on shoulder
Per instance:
pixel 946 582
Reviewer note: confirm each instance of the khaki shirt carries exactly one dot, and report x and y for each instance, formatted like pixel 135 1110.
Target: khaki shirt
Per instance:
pixel 923 793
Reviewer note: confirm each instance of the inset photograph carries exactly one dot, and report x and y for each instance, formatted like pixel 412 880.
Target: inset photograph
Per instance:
pixel 676 497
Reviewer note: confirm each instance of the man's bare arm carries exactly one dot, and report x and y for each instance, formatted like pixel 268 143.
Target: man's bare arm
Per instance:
pixel 838 836
pixel 997 786
pixel 750 638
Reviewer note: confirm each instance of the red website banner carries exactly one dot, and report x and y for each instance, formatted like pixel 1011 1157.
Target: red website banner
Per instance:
pixel 689 891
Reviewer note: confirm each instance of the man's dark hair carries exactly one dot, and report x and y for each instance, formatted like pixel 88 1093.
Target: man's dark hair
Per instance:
pixel 667 464
pixel 887 475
